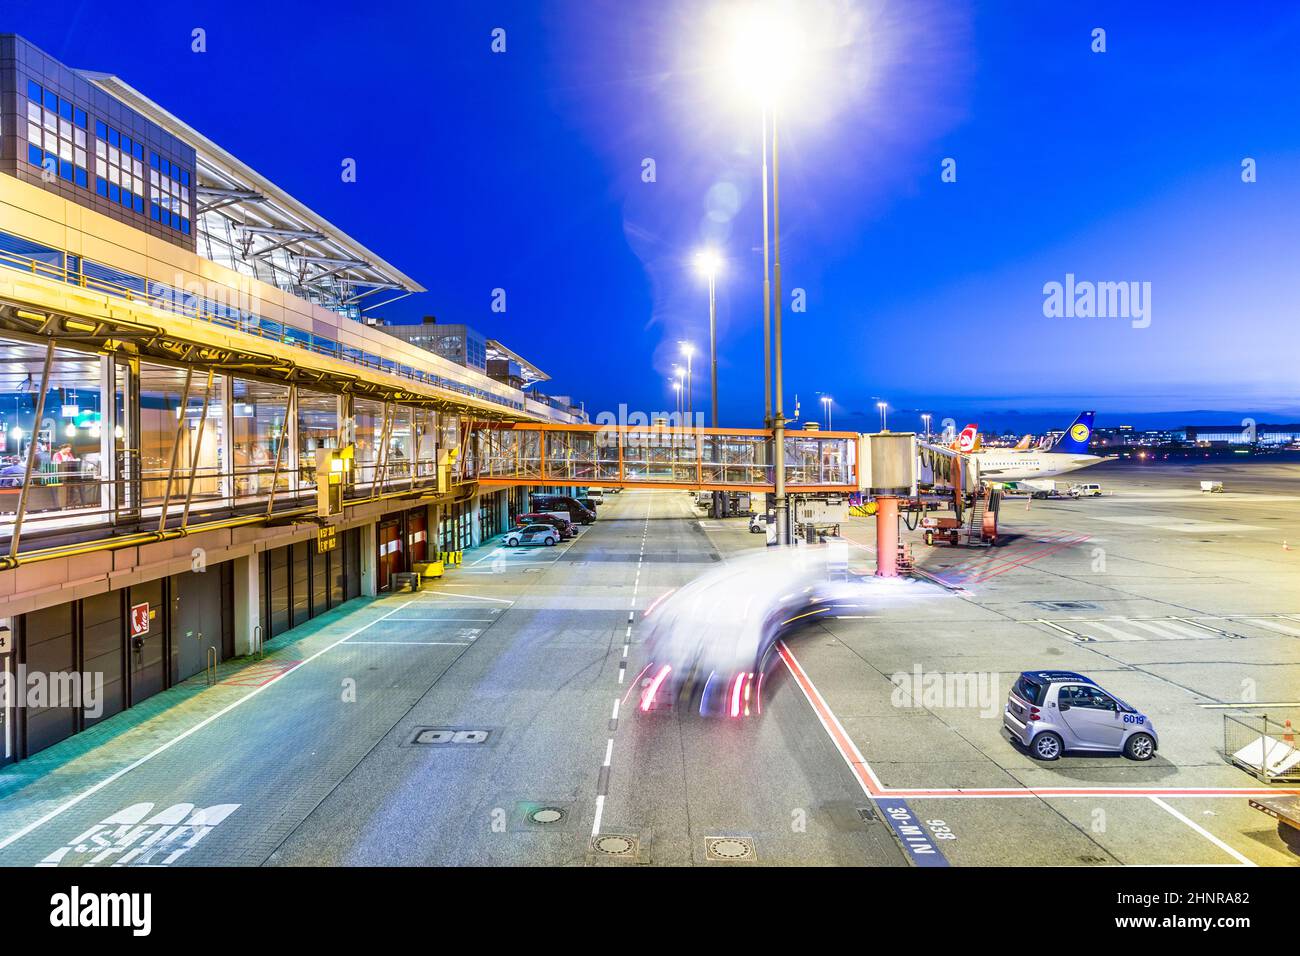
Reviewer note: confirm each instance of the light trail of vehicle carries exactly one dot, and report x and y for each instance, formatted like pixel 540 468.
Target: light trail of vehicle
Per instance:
pixel 874 789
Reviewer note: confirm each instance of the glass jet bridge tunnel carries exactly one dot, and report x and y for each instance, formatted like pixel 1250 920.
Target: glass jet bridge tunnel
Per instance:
pixel 705 459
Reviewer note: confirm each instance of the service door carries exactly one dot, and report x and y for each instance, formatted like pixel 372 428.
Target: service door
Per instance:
pixel 390 551
pixel 196 621
pixel 417 535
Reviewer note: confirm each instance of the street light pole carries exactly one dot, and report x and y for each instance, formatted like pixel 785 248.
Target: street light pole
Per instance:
pixel 778 421
pixel 688 350
pixel 713 346
pixel 767 296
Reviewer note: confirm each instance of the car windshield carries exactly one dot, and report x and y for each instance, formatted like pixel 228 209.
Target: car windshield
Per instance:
pixel 1029 690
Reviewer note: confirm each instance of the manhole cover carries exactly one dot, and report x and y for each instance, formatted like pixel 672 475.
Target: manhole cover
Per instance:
pixel 615 845
pixel 547 815
pixel 729 848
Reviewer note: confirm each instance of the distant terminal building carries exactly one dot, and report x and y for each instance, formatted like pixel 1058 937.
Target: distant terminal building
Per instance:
pixel 465 345
pixel 185 346
pixel 1242 434
pixel 455 342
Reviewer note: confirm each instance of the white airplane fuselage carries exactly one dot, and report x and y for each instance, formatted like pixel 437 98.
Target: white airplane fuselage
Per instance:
pixel 1012 465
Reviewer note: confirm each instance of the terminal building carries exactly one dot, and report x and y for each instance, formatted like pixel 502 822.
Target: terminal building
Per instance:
pixel 180 339
pixel 1260 434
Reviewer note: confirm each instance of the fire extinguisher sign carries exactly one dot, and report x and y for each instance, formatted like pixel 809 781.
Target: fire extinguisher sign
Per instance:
pixel 139 619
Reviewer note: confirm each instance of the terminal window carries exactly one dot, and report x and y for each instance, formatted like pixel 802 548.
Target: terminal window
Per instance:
pixel 56 135
pixel 169 193
pixel 119 167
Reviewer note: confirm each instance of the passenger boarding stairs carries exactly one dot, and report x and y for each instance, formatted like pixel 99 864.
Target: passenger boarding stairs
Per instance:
pixel 982 527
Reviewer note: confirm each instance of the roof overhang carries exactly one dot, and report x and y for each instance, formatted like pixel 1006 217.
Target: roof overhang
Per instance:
pixel 531 373
pixel 264 216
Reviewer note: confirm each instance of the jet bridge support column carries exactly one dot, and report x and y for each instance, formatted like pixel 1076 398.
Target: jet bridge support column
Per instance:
pixel 886 536
pixel 888 462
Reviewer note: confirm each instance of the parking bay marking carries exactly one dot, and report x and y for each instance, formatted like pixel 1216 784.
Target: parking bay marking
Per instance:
pixel 162 748
pixel 920 846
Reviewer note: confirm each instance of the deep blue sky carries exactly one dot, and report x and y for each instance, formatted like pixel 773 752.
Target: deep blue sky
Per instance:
pixel 522 171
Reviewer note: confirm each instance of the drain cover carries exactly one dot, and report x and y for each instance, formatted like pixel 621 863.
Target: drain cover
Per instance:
pixel 729 848
pixel 547 815
pixel 1065 605
pixel 615 845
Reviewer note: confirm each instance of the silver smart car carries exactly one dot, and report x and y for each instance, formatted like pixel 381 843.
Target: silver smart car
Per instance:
pixel 1051 712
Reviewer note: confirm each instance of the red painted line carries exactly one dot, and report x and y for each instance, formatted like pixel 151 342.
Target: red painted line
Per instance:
pixel 873 788
pixel 1025 561
pixel 259 675
pixel 848 750
pixel 972 566
pixel 1026 553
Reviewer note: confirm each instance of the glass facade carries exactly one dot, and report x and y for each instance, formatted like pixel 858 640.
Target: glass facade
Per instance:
pixel 318 427
pixel 259 414
pixel 70 452
pixel 112 440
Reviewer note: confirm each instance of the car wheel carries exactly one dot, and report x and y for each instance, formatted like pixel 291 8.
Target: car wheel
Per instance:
pixel 1046 746
pixel 1140 747
pixel 548 541
pixel 511 542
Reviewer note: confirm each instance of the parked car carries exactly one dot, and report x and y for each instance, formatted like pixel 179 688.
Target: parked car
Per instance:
pixel 532 534
pixel 595 495
pixel 1085 491
pixel 1051 712
pixel 562 525
pixel 758 523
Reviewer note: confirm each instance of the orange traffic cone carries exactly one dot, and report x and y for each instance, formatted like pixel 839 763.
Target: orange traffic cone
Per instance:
pixel 1287 736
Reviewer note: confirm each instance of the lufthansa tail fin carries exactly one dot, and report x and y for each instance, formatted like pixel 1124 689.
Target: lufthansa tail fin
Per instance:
pixel 1075 439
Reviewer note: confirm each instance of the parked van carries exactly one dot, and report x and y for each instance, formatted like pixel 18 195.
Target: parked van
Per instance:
pixel 564 506
pixel 1085 491
pixel 597 495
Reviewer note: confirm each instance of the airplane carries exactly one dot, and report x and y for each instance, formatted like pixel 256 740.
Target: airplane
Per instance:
pixel 1069 453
